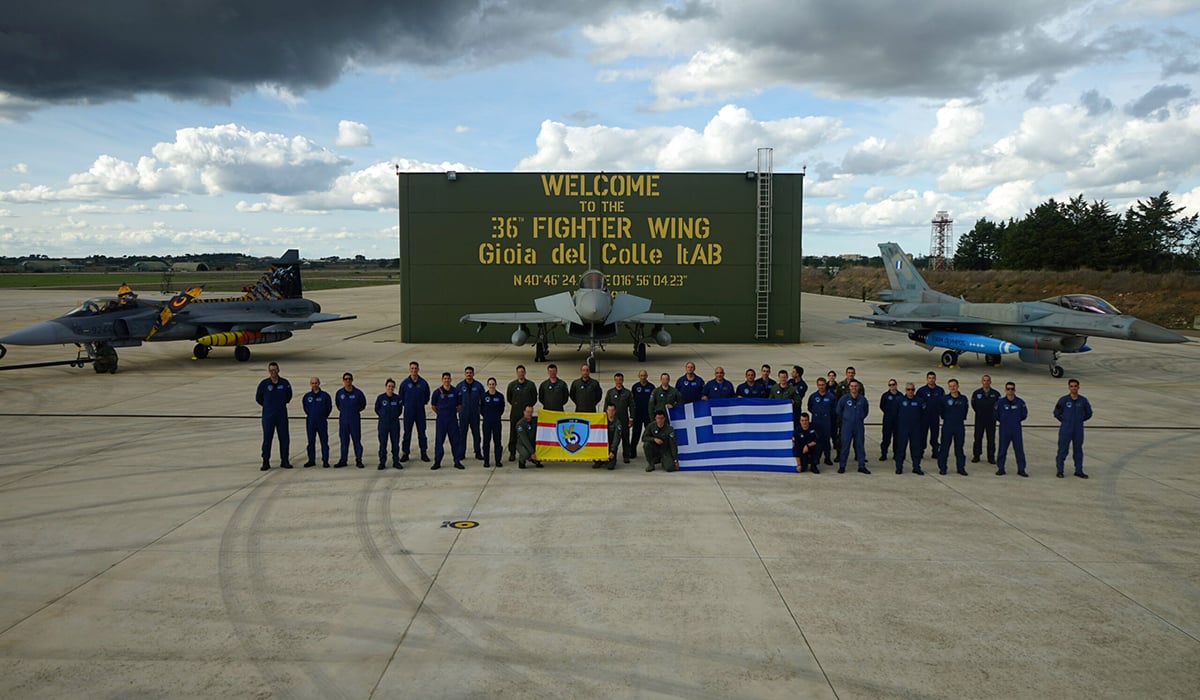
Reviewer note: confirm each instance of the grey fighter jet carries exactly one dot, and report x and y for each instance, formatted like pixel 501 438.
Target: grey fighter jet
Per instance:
pixel 591 315
pixel 268 312
pixel 1037 331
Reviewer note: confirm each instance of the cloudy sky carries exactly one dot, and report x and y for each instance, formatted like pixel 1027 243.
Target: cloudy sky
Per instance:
pixel 141 126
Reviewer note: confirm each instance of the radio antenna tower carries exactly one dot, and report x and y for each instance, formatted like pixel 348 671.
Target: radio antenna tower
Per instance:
pixel 941 242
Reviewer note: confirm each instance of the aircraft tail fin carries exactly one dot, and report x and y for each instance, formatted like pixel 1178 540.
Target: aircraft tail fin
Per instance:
pixel 906 282
pixel 282 281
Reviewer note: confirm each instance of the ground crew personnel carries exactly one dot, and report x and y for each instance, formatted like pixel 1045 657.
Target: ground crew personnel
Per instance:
pixel 664 397
pixel 832 386
pixel 889 401
pixel 273 395
pixel 617 434
pixel 752 388
pixel 820 409
pixel 520 393
pixel 317 407
pixel 641 391
pixel 983 403
pixel 952 411
pixel 351 402
pixel 851 411
pixel 492 409
pixel 586 391
pixel 526 431
pixel 468 418
pixel 844 386
pixel 446 402
pixel 910 435
pixel 718 387
pixel 932 395
pixel 659 444
pixel 797 381
pixel 1071 412
pixel 806 446
pixel 1010 412
pixel 766 380
pixel 621 399
pixel 784 391
pixel 414 392
pixel 690 385
pixel 388 407
pixel 553 393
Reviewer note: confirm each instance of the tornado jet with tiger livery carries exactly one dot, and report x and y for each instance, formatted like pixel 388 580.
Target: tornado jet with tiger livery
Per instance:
pixel 270 311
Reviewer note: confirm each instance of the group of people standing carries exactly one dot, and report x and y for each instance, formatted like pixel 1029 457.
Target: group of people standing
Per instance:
pixel 934 416
pixel 831 419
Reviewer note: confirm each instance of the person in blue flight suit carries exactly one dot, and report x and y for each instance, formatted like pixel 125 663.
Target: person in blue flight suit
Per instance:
pixel 641 390
pixel 952 411
pixel 491 406
pixel 718 387
pixel 273 395
pixel 821 405
pixel 910 434
pixel 801 390
pixel 469 416
pixel 317 407
pixel 806 446
pixel 889 402
pixel 690 385
pixel 1011 411
pixel 388 407
pixel 414 392
pixel 931 394
pixel 852 410
pixel 766 381
pixel 1071 412
pixel 350 402
pixel 752 388
pixel 446 402
pixel 983 404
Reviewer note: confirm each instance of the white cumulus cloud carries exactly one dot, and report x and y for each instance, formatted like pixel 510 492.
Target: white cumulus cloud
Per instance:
pixel 353 134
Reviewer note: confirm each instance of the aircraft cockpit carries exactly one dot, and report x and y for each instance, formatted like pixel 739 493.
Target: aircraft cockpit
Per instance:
pixel 1084 302
pixel 99 305
pixel 592 279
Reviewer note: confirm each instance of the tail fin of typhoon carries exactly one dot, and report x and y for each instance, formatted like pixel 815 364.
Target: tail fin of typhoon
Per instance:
pixel 907 284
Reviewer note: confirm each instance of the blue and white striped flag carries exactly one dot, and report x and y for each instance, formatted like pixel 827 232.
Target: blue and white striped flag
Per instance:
pixel 734 434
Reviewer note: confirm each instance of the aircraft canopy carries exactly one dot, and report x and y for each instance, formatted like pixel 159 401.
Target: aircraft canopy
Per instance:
pixel 1084 302
pixel 592 279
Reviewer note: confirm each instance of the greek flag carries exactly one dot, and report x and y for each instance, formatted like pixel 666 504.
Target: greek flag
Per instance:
pixel 734 435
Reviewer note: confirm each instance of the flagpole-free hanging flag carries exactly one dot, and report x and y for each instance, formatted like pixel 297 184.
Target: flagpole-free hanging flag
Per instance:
pixel 735 435
pixel 572 437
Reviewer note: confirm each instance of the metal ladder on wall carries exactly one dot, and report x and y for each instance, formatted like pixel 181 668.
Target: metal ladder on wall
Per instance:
pixel 762 257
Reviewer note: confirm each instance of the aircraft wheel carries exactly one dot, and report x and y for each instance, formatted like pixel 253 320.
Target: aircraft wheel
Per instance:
pixel 3 352
pixel 539 352
pixel 105 361
pixel 241 353
pixel 949 358
pixel 591 363
pixel 201 351
pixel 992 360
pixel 640 352
pixel 1056 371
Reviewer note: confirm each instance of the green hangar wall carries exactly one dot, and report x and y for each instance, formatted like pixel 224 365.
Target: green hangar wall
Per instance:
pixel 483 242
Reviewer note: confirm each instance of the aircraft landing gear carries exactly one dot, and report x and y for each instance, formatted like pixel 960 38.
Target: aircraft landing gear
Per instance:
pixel 1056 371
pixel 639 352
pixel 591 363
pixel 201 351
pixel 992 360
pixel 104 359
pixel 241 353
pixel 949 358
pixel 540 351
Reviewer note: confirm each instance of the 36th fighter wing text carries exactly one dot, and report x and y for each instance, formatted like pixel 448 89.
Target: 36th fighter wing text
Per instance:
pixel 564 240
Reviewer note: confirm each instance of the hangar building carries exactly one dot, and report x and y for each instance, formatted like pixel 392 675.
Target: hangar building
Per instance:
pixel 727 244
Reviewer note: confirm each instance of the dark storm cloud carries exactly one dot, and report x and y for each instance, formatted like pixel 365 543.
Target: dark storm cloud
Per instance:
pixel 1156 98
pixel 211 49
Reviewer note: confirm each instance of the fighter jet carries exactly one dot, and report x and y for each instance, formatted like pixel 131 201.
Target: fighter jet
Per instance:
pixel 1037 331
pixel 591 315
pixel 268 312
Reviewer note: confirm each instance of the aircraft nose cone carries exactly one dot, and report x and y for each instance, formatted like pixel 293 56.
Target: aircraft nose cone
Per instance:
pixel 45 333
pixel 1150 333
pixel 592 307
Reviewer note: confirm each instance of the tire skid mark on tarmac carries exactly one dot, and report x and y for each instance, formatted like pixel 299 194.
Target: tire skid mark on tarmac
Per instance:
pixel 246 611
pixel 457 639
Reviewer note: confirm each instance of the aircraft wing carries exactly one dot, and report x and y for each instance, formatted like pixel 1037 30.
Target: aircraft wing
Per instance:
pixel 669 319
pixel 899 323
pixel 264 318
pixel 514 317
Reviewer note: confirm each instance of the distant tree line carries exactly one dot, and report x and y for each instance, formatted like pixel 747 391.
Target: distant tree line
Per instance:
pixel 1151 236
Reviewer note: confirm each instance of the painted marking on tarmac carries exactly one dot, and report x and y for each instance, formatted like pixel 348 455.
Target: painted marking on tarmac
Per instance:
pixel 460 524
